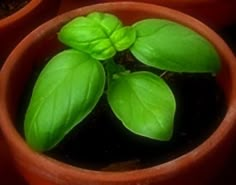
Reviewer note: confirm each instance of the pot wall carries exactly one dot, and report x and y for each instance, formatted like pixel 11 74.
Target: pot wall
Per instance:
pixel 196 167
pixel 67 5
pixel 14 27
pixel 215 13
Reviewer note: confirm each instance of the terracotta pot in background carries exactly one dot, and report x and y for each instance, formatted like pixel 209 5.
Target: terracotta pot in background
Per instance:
pixel 67 5
pixel 14 27
pixel 215 13
pixel 198 166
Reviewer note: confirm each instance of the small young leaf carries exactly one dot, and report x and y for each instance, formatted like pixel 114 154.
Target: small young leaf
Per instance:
pixel 123 38
pixel 173 47
pixel 99 34
pixel 144 103
pixel 66 91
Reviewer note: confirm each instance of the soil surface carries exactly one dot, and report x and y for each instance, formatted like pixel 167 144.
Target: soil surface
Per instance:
pixel 8 7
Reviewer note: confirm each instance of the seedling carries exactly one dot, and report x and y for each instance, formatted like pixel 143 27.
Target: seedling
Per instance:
pixel 72 82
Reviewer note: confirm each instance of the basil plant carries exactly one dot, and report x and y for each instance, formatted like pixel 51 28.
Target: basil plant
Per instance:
pixel 73 81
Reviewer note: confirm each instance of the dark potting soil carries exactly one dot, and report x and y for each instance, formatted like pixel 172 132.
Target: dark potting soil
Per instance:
pixel 101 142
pixel 8 7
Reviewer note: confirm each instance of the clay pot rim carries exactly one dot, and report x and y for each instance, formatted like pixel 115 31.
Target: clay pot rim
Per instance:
pixel 182 3
pixel 190 2
pixel 160 171
pixel 21 13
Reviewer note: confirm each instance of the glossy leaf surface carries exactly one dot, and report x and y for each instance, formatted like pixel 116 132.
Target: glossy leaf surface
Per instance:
pixel 99 34
pixel 65 93
pixel 144 103
pixel 173 47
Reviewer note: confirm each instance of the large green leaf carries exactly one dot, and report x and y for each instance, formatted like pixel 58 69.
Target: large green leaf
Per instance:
pixel 99 34
pixel 65 93
pixel 144 103
pixel 173 47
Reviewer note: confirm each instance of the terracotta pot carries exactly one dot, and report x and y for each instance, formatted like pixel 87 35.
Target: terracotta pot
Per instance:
pixel 67 5
pixel 7 169
pixel 195 167
pixel 215 13
pixel 14 27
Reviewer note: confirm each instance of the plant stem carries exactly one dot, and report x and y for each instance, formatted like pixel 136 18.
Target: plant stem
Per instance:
pixel 113 69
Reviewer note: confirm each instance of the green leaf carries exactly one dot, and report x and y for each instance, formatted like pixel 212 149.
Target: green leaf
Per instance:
pixel 123 38
pixel 99 34
pixel 144 103
pixel 173 47
pixel 66 91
